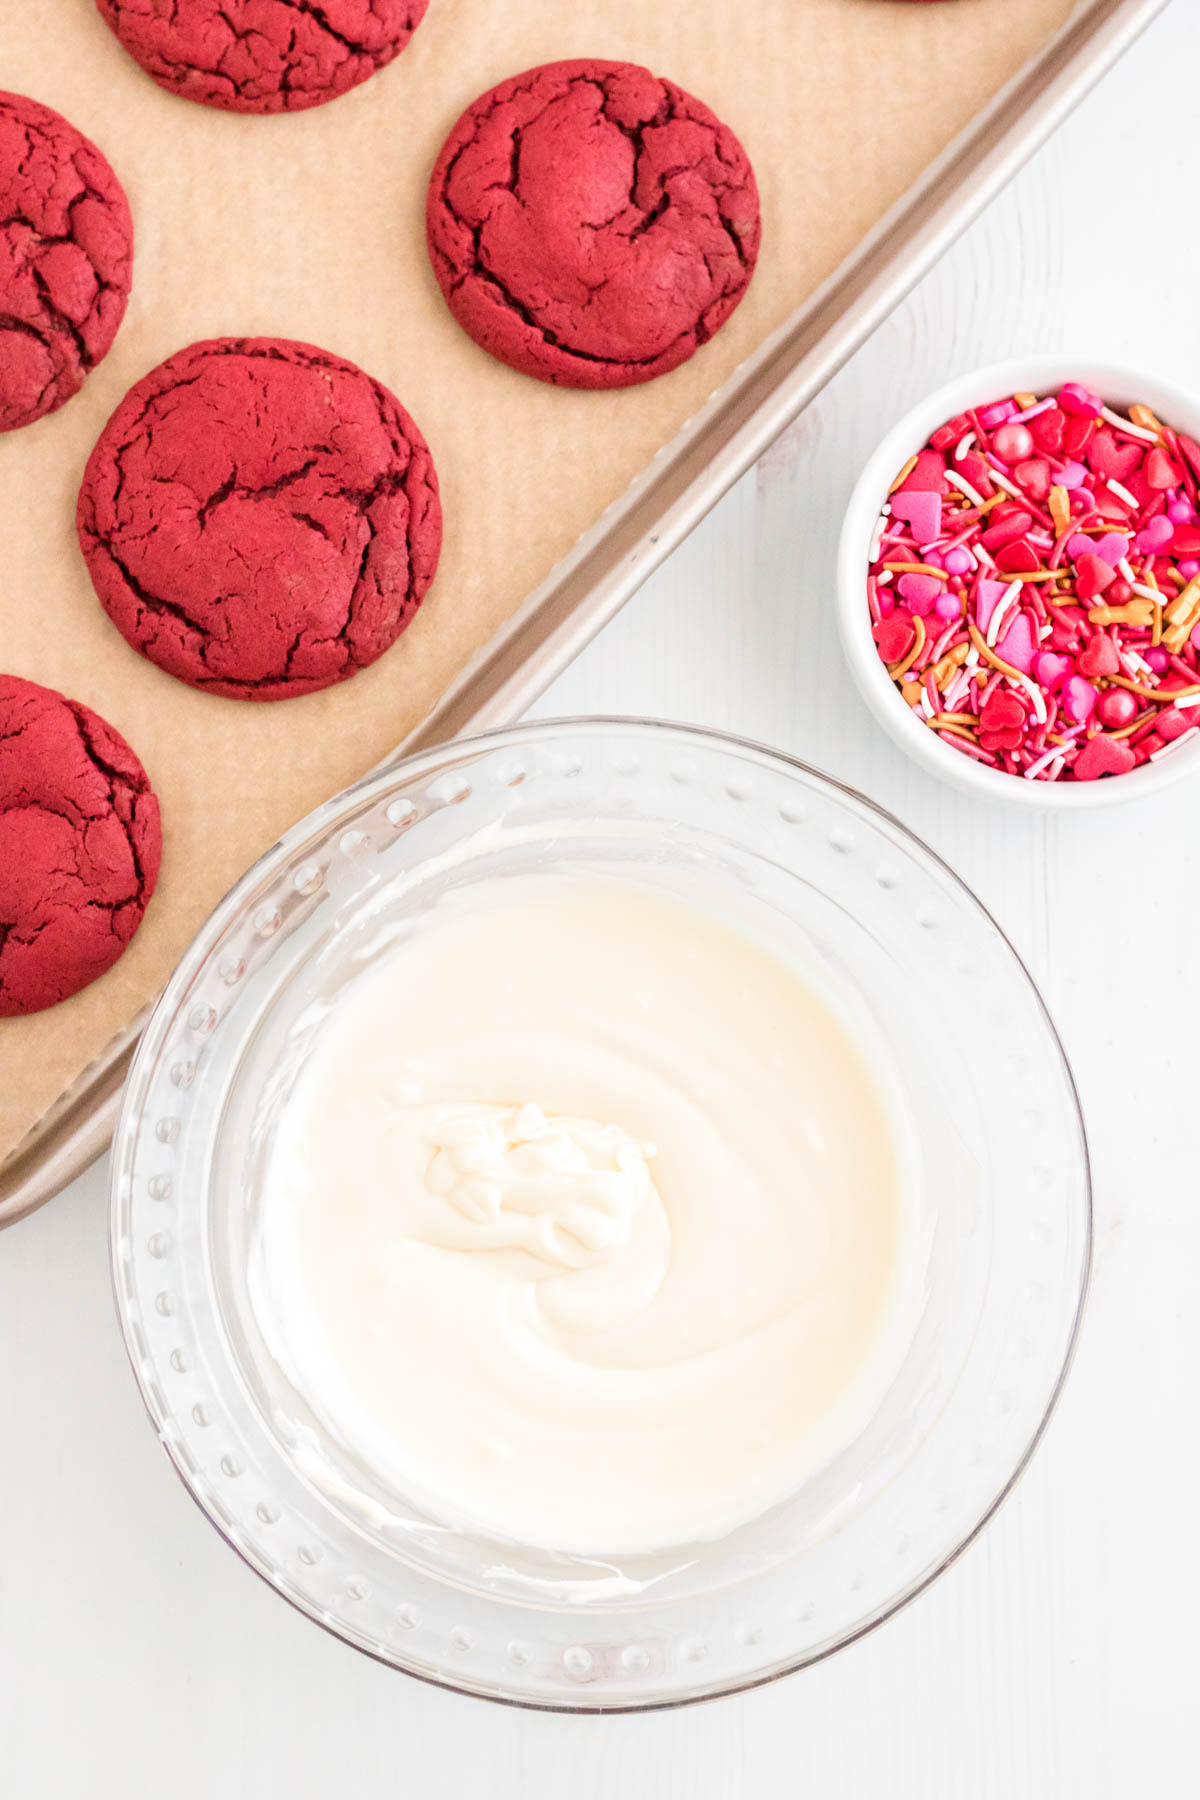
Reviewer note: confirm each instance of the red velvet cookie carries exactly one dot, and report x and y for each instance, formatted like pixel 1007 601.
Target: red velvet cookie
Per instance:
pixel 80 842
pixel 260 518
pixel 262 56
pixel 66 257
pixel 592 225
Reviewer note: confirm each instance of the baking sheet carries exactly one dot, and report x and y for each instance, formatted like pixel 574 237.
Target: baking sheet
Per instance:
pixel 311 226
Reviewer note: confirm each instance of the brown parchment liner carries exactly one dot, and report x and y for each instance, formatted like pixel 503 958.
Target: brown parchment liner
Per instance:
pixel 311 226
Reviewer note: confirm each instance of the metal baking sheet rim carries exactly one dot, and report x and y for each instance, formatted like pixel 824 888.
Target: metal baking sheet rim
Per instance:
pixel 681 484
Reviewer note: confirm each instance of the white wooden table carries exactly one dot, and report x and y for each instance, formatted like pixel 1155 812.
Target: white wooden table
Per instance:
pixel 1058 1659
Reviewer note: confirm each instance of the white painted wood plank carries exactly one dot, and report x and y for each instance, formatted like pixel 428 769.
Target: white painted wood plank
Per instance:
pixel 1058 1658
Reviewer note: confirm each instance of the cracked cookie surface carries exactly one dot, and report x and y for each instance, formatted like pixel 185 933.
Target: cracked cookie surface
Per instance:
pixel 80 842
pixel 66 259
pixel 591 224
pixel 262 56
pixel 260 518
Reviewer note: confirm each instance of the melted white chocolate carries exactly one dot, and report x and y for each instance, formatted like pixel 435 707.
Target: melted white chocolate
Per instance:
pixel 585 1224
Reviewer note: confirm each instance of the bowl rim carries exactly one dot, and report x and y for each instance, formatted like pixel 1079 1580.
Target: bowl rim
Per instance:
pixel 166 1009
pixel 1116 382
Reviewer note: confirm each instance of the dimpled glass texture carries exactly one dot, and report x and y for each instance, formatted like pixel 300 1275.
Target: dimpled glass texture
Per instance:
pixel 1004 1176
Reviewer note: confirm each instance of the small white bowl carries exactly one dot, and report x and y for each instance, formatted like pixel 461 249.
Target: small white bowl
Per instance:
pixel 1117 386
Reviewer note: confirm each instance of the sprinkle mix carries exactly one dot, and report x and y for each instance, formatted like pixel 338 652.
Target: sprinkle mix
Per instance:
pixel 1034 586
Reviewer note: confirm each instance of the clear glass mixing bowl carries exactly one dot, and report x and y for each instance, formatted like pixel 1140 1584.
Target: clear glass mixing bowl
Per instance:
pixel 1004 1167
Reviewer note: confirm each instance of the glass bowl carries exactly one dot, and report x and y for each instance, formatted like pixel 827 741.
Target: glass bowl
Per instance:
pixel 983 1081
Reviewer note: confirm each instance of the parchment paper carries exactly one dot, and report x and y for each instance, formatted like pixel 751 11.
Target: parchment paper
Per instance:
pixel 311 226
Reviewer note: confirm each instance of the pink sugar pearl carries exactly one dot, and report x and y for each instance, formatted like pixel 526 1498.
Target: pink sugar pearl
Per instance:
pixel 1013 444
pixel 1116 707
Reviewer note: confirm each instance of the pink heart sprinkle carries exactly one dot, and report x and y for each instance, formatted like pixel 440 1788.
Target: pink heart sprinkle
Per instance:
pixel 987 598
pixel 1079 700
pixel 1079 545
pixel 1073 397
pixel 920 591
pixel 1073 476
pixel 1052 670
pixel 991 416
pixel 923 511
pixel 1019 643
pixel 1112 547
pixel 1156 534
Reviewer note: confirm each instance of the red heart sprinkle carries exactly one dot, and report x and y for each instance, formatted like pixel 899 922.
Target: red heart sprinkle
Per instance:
pixel 1077 431
pixel 1161 472
pixel 1111 459
pixel 1103 756
pixel 927 475
pixel 1002 710
pixel 1000 740
pixel 1047 430
pixel 1099 658
pixel 894 635
pixel 1036 477
pixel 1092 576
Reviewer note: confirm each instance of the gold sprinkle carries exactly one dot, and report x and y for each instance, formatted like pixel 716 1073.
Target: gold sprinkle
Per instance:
pixel 916 569
pixel 904 474
pixel 1060 509
pixel 1134 612
pixel 942 722
pixel 896 670
pixel 1141 415
pixel 1025 401
pixel 1182 615
pixel 912 691
pixel 1158 695
pixel 1184 602
pixel 952 660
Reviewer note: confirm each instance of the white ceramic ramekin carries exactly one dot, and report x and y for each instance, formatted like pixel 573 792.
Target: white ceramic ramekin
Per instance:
pixel 1117 386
